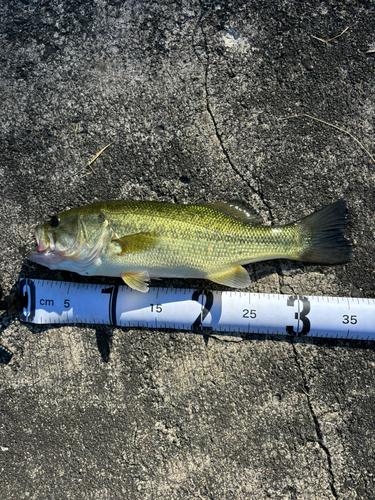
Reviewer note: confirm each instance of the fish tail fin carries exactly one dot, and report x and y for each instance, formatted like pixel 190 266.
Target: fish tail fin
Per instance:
pixel 323 236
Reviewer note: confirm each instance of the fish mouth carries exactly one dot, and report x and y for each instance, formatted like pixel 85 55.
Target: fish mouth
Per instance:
pixel 44 243
pixel 45 246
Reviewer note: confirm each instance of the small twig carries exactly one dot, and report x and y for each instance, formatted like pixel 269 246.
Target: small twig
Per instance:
pixel 303 390
pixel 93 159
pixel 333 126
pixel 85 175
pixel 330 39
pixel 320 39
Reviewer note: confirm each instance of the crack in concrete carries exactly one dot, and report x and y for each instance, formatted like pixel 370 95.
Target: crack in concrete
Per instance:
pixel 209 110
pixel 280 276
pixel 267 205
pixel 258 193
pixel 318 430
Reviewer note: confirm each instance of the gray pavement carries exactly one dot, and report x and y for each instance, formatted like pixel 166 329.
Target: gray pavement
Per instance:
pixel 191 95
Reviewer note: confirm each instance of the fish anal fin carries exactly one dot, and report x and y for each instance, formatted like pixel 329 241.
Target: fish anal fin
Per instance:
pixel 236 209
pixel 134 243
pixel 137 280
pixel 235 277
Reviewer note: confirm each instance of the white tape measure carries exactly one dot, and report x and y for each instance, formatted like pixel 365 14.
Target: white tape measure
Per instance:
pixel 46 302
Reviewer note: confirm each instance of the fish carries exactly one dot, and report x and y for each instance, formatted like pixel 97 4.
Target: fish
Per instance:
pixel 142 240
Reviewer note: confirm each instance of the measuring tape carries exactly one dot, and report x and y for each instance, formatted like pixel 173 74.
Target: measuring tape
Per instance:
pixel 60 302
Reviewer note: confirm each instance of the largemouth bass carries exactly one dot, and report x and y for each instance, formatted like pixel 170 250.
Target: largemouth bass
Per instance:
pixel 139 240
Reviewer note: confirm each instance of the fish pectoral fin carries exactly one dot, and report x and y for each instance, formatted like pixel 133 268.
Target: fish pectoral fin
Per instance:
pixel 134 243
pixel 235 277
pixel 137 280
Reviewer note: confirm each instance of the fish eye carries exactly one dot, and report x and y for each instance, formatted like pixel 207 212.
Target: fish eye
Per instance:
pixel 54 221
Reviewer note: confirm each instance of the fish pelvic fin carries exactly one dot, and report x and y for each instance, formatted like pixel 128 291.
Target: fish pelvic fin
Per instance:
pixel 134 243
pixel 235 277
pixel 137 280
pixel 323 236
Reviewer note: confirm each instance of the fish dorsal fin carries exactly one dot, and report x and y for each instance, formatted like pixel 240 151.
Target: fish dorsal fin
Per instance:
pixel 235 277
pixel 134 243
pixel 236 209
pixel 137 280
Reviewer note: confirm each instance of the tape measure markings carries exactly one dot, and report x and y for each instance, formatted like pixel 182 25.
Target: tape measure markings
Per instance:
pixel 239 312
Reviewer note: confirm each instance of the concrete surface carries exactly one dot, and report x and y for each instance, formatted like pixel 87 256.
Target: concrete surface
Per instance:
pixel 191 94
